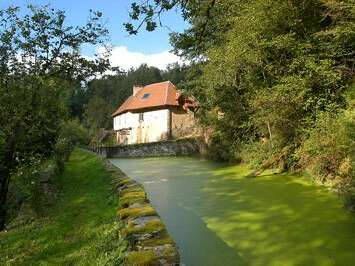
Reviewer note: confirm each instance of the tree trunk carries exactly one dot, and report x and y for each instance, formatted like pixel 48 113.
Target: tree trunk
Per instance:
pixel 5 170
pixel 4 188
pixel 269 129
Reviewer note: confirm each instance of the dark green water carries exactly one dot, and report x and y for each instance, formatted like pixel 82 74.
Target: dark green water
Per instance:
pixel 219 217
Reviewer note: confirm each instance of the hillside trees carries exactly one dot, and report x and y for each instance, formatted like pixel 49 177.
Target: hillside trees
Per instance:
pixel 176 73
pixel 283 72
pixel 39 62
pixel 103 95
pixel 271 77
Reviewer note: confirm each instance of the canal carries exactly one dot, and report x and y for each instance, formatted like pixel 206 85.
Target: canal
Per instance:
pixel 218 216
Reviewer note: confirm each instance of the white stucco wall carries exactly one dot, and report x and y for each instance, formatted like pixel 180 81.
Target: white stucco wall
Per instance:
pixel 154 127
pixel 125 120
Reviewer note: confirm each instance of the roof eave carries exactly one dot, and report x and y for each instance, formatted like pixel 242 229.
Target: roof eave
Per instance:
pixel 143 108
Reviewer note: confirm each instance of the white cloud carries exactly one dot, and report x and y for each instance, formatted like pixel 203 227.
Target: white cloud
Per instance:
pixel 125 59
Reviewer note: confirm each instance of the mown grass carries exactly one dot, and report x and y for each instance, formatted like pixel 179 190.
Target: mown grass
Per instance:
pixel 79 230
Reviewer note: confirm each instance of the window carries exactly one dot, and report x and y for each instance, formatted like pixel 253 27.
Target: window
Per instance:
pixel 145 95
pixel 141 117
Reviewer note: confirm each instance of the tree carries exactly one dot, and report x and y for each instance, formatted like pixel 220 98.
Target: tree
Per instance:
pixel 143 75
pixel 281 70
pixel 207 19
pixel 98 114
pixel 39 60
pixel 263 78
pixel 175 73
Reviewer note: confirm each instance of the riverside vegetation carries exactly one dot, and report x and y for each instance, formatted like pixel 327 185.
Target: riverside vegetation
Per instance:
pixel 275 90
pixel 40 65
pixel 80 227
pixel 52 211
pixel 274 79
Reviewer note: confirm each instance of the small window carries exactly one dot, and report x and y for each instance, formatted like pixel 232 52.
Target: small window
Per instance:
pixel 145 95
pixel 141 117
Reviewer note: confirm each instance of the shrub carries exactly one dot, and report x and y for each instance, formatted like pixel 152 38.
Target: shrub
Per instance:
pixel 111 247
pixel 266 153
pixel 24 185
pixel 74 132
pixel 29 186
pixel 71 134
pixel 256 152
pixel 62 150
pixel 219 148
pixel 329 150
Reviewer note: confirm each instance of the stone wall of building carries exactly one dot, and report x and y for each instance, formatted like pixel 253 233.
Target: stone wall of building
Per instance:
pixel 183 123
pixel 187 146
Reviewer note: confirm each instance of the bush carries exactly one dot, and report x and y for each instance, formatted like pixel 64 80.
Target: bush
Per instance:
pixel 71 134
pixel 24 185
pixel 74 132
pixel 29 174
pixel 219 148
pixel 329 150
pixel 62 150
pixel 255 152
pixel 30 189
pixel 266 153
pixel 111 247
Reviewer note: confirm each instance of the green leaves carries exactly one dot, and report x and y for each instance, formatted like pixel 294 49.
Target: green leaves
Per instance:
pixel 266 77
pixel 328 150
pixel 40 42
pixel 39 63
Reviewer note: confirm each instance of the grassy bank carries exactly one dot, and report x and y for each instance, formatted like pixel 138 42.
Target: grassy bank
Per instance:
pixel 79 229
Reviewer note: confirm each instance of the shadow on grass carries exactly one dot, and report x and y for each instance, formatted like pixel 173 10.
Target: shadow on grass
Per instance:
pixel 69 232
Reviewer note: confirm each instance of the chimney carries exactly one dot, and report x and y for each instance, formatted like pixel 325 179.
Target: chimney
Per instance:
pixel 136 89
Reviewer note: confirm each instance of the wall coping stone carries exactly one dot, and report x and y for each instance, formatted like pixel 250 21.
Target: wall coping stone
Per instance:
pixel 179 147
pixel 147 236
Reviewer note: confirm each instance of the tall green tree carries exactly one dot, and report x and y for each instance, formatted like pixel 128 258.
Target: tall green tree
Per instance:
pixel 39 60
pixel 176 73
pixel 274 73
pixel 98 114
pixel 207 20
pixel 266 72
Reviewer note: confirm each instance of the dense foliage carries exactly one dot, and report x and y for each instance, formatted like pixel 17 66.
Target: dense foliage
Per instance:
pixel 275 90
pixel 48 97
pixel 40 63
pixel 275 79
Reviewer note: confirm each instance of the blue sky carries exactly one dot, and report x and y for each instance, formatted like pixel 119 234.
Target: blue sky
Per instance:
pixel 149 47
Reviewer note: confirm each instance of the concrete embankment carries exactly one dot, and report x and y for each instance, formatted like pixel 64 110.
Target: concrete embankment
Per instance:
pixel 149 241
pixel 178 147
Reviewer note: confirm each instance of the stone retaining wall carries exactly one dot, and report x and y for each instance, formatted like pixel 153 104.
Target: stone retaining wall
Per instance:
pixel 149 242
pixel 161 148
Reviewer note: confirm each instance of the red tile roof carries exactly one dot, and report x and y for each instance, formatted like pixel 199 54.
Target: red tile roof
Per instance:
pixel 156 95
